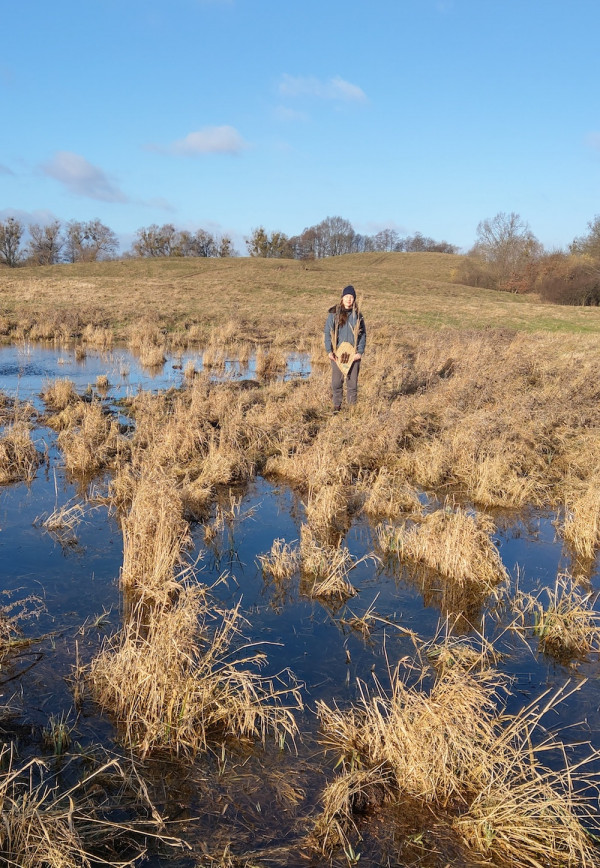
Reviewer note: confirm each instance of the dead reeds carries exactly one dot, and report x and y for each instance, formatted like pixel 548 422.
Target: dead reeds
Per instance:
pixel 454 749
pixel 59 394
pixel 563 618
pixel 155 535
pixel 326 567
pixel 581 525
pixel 282 561
pixel 48 824
pixel 92 442
pixel 19 458
pixel 451 542
pixel 172 679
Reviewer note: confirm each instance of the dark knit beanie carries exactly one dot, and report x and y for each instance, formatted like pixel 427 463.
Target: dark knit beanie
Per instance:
pixel 349 290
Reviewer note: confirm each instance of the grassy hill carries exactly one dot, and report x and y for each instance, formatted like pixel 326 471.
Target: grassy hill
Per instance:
pixel 411 289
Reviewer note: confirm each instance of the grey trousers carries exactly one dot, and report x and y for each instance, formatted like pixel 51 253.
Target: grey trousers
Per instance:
pixel 337 384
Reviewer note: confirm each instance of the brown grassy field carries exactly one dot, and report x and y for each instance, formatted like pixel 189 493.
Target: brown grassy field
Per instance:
pixel 395 288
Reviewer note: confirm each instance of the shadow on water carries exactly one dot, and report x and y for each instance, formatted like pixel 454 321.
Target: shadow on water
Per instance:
pixel 260 798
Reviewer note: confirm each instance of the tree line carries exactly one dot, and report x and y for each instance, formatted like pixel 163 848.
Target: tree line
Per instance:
pixel 92 241
pixel 335 236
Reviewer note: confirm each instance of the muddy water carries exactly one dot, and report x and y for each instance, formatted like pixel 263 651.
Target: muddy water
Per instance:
pixel 259 800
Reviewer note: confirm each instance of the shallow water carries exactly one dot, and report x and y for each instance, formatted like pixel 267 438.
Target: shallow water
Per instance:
pixel 77 580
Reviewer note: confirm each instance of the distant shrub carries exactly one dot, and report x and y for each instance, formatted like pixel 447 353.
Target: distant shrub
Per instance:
pixel 568 280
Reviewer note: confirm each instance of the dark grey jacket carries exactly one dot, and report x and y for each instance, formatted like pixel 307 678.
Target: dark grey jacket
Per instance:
pixel 347 331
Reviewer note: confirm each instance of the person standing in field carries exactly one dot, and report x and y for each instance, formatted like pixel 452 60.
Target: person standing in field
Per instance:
pixel 345 341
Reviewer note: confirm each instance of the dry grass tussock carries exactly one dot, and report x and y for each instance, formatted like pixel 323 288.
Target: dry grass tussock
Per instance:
pixel 155 534
pixel 454 749
pixel 46 824
pixel 98 336
pixel 282 561
pixel 93 442
pixel 563 618
pixel 19 458
pixel 179 673
pixel 327 567
pixel 59 393
pixel 451 542
pixel 387 495
pixel 581 525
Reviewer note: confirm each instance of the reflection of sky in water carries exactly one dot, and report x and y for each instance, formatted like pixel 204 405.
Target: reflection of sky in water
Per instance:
pixel 79 581
pixel 26 368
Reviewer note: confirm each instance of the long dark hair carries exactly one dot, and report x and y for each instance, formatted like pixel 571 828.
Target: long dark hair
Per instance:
pixel 342 314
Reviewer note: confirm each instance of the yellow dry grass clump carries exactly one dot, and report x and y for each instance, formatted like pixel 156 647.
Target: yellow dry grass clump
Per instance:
pixel 19 458
pixel 581 525
pixel 563 618
pixel 154 537
pixel 59 393
pixel 453 749
pixel 172 679
pixel 452 542
pixel 91 439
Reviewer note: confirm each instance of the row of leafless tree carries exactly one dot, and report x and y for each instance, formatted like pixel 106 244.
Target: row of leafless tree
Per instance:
pixel 335 236
pixel 51 243
pixel 76 241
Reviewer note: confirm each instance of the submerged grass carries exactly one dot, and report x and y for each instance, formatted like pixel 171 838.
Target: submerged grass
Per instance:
pixel 46 823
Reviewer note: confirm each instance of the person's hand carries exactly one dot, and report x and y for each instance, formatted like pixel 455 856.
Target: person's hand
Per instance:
pixel 357 357
pixel 333 356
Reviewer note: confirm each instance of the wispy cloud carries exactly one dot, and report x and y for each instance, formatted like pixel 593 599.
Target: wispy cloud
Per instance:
pixel 82 178
pixel 4 170
pixel 160 202
pixel 283 113
pixel 335 88
pixel 208 140
pixel 41 216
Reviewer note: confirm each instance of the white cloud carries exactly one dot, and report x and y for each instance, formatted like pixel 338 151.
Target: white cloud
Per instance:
pixel 335 88
pixel 209 140
pixel 82 178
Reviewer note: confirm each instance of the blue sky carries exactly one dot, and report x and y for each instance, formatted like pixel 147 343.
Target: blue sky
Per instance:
pixel 416 115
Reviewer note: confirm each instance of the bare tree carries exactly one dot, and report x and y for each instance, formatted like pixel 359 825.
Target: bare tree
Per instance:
pixel 155 240
pixel 506 243
pixel 204 243
pixel 89 242
pixel 45 243
pixel 386 240
pixel 588 245
pixel 335 235
pixel 11 232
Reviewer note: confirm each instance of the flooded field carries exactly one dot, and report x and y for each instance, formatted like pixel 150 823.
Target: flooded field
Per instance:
pixel 242 802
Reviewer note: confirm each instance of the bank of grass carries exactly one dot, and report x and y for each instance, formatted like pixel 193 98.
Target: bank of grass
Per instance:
pixel 397 289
